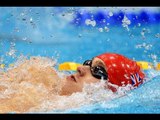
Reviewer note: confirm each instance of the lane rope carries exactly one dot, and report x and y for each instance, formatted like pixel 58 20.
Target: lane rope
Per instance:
pixel 73 66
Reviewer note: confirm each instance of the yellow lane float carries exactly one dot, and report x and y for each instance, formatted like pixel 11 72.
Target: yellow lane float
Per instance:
pixel 2 66
pixel 158 66
pixel 145 65
pixel 11 65
pixel 69 66
pixel 73 66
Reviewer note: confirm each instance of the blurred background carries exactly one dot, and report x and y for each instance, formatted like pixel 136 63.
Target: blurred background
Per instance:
pixel 79 33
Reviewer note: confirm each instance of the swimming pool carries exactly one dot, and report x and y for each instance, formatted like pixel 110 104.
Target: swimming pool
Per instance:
pixel 79 33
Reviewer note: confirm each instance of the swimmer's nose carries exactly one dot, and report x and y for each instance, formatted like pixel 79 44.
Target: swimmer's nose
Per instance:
pixel 81 70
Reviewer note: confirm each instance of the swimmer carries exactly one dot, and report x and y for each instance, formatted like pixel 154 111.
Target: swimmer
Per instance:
pixel 26 86
pixel 115 69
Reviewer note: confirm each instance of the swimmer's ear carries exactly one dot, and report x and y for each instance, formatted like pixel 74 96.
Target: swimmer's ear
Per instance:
pixel 69 66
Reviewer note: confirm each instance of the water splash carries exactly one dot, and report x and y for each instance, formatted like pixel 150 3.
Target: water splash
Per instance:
pixel 143 32
pixel 90 22
pixel 126 22
pixel 12 51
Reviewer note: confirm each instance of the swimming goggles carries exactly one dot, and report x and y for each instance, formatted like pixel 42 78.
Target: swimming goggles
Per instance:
pixel 97 71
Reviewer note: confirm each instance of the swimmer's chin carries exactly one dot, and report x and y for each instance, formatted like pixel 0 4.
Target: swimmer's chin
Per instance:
pixel 69 87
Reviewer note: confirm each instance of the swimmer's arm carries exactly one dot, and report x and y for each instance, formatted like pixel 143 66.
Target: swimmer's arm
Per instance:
pixel 32 70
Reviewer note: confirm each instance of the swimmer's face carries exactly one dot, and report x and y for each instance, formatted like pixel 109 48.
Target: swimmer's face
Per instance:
pixel 75 82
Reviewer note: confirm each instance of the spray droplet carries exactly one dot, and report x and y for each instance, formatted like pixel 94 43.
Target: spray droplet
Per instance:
pixel 157 35
pixel 90 22
pixel 126 22
pixel 110 14
pixel 100 29
pixel 80 35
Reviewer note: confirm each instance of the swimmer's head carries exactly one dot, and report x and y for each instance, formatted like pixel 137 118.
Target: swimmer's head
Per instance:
pixel 113 68
pixel 121 70
pixel 91 71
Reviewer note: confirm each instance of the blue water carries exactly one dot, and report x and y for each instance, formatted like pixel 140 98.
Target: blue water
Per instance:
pixel 53 32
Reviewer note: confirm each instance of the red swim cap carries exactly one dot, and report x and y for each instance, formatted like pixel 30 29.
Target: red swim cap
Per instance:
pixel 121 70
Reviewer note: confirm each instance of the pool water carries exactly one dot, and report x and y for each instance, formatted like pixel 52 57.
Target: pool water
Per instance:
pixel 76 34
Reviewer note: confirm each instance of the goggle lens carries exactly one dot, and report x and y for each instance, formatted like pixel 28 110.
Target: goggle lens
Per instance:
pixel 97 71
